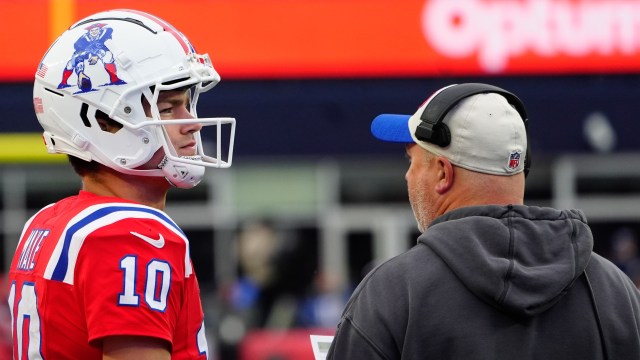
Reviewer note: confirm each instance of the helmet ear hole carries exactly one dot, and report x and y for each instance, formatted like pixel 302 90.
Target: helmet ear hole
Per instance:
pixel 106 123
pixel 84 109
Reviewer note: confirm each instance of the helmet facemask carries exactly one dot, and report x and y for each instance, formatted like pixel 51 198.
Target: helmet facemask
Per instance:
pixel 186 171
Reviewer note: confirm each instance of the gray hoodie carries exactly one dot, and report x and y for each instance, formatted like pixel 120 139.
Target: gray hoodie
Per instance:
pixel 494 282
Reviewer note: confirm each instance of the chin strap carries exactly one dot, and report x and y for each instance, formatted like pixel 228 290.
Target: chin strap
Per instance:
pixel 181 175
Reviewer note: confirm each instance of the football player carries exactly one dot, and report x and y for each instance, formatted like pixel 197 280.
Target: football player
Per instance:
pixel 106 273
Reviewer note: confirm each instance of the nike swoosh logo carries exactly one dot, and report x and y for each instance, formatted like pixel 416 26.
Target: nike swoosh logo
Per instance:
pixel 159 243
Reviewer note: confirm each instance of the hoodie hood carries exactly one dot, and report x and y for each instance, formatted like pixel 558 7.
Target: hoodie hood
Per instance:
pixel 517 258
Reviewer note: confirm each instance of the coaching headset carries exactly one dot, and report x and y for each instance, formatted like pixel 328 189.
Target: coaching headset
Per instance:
pixel 432 128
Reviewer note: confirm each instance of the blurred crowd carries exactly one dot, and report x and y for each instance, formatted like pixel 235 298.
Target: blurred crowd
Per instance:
pixel 278 287
pixel 5 320
pixel 625 254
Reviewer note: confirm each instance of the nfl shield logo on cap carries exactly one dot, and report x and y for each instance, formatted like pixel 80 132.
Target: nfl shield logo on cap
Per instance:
pixel 514 160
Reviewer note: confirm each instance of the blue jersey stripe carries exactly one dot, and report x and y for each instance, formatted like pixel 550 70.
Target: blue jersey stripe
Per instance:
pixel 62 265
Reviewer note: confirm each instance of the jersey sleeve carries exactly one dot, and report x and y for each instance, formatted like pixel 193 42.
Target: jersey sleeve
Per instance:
pixel 130 277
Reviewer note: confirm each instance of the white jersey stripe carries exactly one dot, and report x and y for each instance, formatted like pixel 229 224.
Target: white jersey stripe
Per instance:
pixel 61 265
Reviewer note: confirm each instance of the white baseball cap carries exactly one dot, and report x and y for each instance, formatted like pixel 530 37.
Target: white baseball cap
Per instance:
pixel 487 133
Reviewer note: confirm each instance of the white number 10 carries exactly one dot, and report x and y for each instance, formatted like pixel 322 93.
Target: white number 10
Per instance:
pixel 156 289
pixel 27 318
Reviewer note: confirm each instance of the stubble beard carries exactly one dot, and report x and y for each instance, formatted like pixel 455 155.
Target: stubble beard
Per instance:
pixel 422 210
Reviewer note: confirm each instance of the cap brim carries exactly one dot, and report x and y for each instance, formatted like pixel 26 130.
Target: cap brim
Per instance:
pixel 392 128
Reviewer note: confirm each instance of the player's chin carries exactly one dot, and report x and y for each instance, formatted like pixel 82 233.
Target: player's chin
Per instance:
pixel 187 151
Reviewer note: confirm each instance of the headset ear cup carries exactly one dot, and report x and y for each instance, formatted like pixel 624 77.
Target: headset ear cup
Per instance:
pixel 441 135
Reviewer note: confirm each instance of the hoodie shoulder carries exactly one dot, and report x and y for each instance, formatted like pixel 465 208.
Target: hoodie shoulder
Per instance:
pixel 616 301
pixel 520 259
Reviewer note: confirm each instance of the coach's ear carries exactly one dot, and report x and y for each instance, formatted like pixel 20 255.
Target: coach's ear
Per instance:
pixel 445 176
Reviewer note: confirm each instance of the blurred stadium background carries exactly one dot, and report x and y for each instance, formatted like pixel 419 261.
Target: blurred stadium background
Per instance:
pixel 312 202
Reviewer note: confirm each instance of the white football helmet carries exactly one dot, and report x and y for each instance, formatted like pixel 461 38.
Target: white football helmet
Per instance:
pixel 109 62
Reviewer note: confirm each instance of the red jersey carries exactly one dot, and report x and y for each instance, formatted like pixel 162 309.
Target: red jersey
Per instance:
pixel 90 266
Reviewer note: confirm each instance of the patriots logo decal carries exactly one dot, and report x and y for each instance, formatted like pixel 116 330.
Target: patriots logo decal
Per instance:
pixel 91 50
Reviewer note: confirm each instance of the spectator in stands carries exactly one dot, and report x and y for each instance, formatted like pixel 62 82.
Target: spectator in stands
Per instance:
pixel 624 253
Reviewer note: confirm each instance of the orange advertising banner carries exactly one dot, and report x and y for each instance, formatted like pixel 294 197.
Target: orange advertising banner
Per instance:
pixel 254 39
